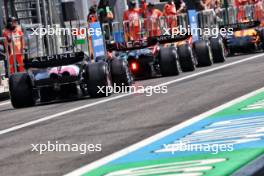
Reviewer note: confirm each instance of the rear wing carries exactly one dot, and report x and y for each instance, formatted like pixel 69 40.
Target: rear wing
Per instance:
pixel 163 39
pixel 55 60
pixel 242 26
pixel 144 32
pixel 141 44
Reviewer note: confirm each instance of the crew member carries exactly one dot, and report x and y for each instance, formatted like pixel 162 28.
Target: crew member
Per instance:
pixel 92 16
pixel 259 11
pixel 152 15
pixel 241 2
pixel 104 12
pixel 241 14
pixel 132 19
pixel 180 6
pixel 217 6
pixel 143 7
pixel 170 13
pixel 14 36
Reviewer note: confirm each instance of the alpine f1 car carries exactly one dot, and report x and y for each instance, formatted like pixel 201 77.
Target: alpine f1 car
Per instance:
pixel 61 76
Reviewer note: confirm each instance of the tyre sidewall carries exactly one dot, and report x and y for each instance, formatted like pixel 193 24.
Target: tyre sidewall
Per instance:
pixel 21 90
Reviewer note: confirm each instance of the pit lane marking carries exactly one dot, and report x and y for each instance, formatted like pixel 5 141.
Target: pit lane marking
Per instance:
pixel 101 162
pixel 34 122
pixel 5 103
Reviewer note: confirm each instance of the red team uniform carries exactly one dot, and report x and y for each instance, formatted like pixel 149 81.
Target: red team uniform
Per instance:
pixel 17 49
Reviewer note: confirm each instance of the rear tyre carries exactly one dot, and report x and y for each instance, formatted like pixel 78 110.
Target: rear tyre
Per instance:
pixel 21 91
pixel 186 58
pixel 168 62
pixel 120 72
pixel 203 53
pixel 98 79
pixel 218 50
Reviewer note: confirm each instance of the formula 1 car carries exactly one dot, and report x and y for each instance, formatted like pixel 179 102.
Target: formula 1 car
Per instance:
pixel 248 32
pixel 248 37
pixel 50 77
pixel 147 58
pixel 166 55
pixel 60 76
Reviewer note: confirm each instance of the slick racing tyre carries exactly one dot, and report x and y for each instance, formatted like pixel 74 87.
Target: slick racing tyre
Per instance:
pixel 186 58
pixel 168 62
pixel 218 50
pixel 203 53
pixel 21 91
pixel 120 72
pixel 98 79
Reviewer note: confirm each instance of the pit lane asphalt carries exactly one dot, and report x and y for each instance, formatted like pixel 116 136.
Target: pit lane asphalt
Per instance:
pixel 119 123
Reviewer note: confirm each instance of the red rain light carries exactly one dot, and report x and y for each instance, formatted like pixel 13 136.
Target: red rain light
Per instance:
pixel 134 66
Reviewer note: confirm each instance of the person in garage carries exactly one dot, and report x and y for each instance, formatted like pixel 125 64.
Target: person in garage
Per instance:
pixel 143 7
pixel 92 16
pixel 14 36
pixel 203 4
pixel 170 13
pixel 180 6
pixel 132 19
pixel 152 15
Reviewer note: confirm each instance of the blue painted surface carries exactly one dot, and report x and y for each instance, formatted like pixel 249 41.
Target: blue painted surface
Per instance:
pixel 98 42
pixel 147 153
pixel 193 19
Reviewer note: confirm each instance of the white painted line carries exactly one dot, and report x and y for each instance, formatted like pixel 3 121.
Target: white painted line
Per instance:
pixel 158 136
pixel 5 103
pixel 34 122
